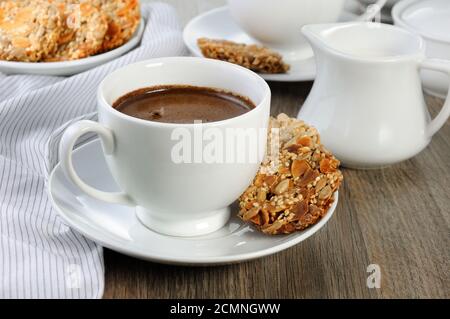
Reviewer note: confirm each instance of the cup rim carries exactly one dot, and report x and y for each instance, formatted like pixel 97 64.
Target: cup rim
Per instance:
pixel 107 106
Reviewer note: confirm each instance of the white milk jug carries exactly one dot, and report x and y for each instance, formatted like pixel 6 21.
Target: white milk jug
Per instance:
pixel 367 100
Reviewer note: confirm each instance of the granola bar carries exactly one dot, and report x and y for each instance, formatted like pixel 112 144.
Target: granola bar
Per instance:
pixel 84 30
pixel 294 190
pixel 29 29
pixel 254 57
pixel 123 16
pixel 60 30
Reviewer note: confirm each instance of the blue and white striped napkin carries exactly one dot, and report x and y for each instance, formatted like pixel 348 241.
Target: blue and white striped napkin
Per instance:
pixel 40 257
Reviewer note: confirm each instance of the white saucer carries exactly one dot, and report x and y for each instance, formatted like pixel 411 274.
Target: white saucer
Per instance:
pixel 67 68
pixel 117 227
pixel 218 24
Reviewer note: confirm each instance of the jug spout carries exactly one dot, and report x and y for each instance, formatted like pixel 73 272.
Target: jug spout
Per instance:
pixel 316 33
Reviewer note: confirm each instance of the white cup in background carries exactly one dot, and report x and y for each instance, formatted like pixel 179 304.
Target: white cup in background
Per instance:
pixel 277 23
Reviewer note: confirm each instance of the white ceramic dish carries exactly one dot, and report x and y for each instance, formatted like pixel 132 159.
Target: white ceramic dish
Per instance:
pixel 277 26
pixel 117 227
pixel 67 68
pixel 218 24
pixel 431 20
pixel 367 101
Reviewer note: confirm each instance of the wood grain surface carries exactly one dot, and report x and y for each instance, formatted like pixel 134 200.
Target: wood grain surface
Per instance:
pixel 397 217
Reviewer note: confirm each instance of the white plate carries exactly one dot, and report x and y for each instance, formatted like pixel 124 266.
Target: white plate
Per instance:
pixel 117 227
pixel 218 24
pixel 67 68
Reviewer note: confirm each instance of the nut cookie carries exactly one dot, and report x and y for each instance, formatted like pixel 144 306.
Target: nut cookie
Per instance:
pixel 123 19
pixel 294 190
pixel 85 27
pixel 29 29
pixel 253 57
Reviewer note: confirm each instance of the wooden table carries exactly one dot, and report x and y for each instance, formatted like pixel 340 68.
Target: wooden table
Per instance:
pixel 397 218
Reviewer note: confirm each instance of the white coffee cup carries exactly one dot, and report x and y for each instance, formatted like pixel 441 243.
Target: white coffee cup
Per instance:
pixel 181 199
pixel 277 23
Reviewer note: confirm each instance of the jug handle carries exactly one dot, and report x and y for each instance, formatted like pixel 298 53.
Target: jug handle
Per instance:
pixel 444 67
pixel 372 11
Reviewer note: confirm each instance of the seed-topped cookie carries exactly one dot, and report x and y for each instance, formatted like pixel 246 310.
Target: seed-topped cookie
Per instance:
pixel 29 29
pixel 85 27
pixel 294 187
pixel 123 19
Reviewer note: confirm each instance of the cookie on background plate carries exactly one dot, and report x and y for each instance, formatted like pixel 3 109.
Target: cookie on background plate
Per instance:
pixel 85 28
pixel 123 19
pixel 29 29
pixel 295 185
pixel 250 56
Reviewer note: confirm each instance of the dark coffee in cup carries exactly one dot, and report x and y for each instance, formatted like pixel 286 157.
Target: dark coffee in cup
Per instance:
pixel 183 104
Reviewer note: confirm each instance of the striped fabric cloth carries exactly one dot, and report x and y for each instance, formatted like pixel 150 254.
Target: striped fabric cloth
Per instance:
pixel 40 257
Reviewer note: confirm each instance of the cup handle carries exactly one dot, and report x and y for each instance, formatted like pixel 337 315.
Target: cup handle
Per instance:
pixel 372 11
pixel 444 67
pixel 66 145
